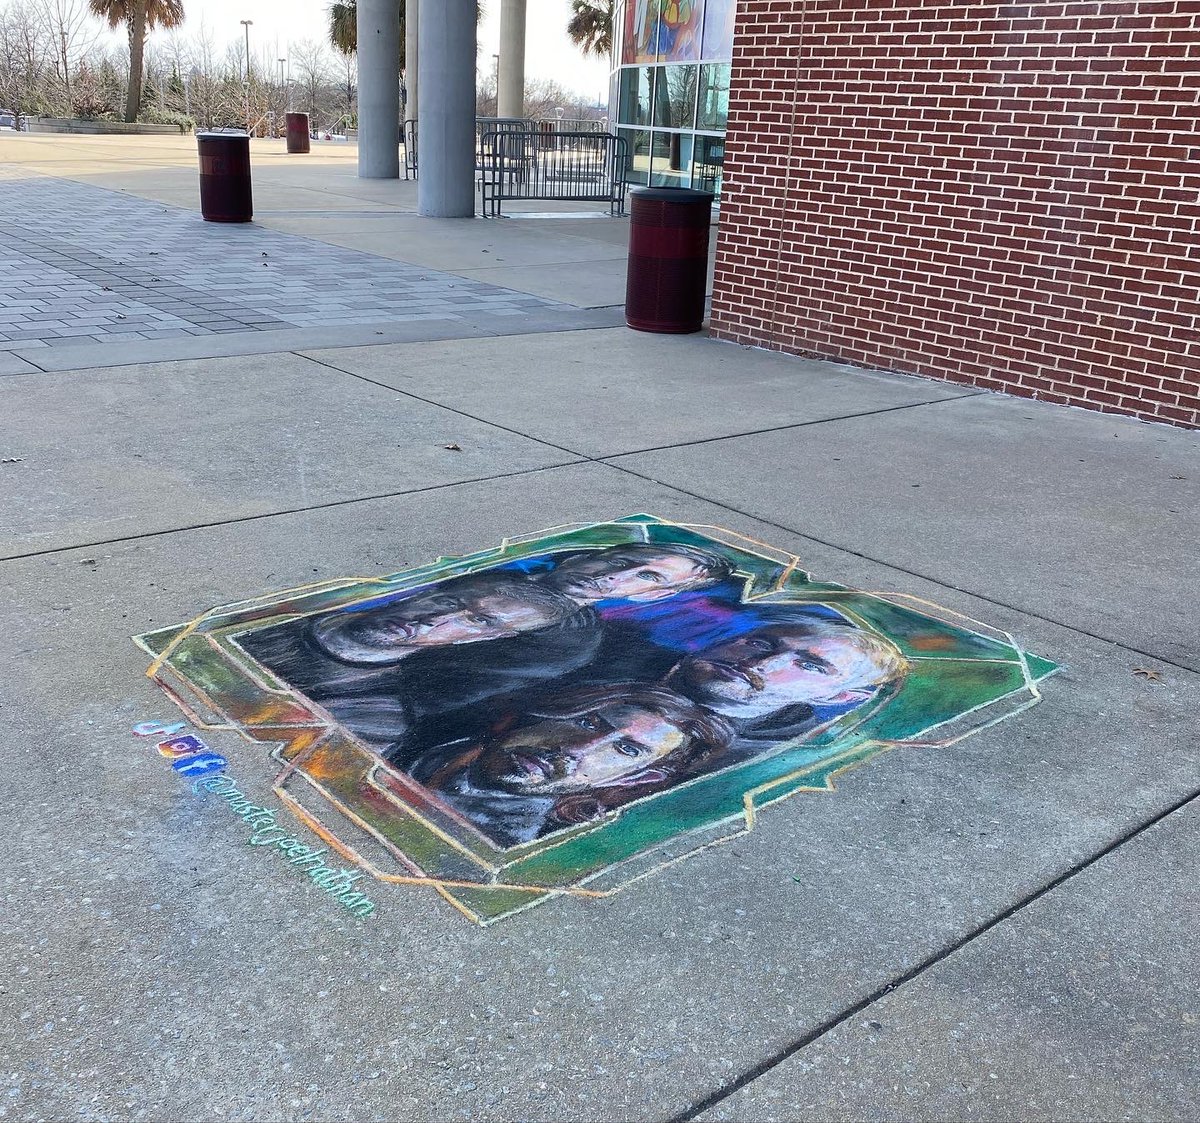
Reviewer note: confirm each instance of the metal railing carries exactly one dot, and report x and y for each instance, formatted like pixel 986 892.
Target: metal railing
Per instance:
pixel 575 124
pixel 540 164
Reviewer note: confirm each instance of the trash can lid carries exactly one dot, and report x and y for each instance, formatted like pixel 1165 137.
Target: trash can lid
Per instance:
pixel 218 134
pixel 673 194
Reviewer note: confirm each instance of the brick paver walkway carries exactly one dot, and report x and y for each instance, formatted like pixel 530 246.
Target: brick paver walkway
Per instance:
pixel 80 264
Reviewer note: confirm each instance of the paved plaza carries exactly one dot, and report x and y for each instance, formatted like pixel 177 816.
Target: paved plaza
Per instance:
pixel 86 265
pixel 994 928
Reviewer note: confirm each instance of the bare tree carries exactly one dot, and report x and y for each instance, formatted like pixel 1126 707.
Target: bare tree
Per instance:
pixel 193 73
pixel 200 85
pixel 544 96
pixel 25 59
pixel 212 87
pixel 72 32
pixel 270 93
pixel 485 94
pixel 312 71
pixel 350 61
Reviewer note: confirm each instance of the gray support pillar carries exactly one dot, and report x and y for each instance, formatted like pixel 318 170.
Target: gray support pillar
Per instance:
pixel 446 186
pixel 510 96
pixel 379 89
pixel 412 15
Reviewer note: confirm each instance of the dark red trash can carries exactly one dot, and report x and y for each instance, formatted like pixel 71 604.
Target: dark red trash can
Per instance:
pixel 297 132
pixel 668 259
pixel 225 177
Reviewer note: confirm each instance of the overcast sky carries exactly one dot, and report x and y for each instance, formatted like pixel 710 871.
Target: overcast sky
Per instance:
pixel 548 52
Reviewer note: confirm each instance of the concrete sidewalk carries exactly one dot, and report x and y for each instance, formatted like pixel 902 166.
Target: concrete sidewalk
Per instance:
pixel 999 928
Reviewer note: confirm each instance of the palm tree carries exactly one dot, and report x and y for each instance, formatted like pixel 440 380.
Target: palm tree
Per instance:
pixel 140 17
pixel 343 27
pixel 591 25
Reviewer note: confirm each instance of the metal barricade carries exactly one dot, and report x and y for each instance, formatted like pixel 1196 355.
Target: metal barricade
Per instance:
pixel 410 149
pixel 554 166
pixel 490 126
pixel 484 126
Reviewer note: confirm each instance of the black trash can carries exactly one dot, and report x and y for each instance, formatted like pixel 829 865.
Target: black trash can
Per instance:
pixel 668 259
pixel 225 177
pixel 297 132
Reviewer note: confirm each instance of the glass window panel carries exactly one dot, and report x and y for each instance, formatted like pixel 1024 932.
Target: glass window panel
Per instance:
pixel 634 101
pixel 679 30
pixel 639 154
pixel 639 31
pixel 671 165
pixel 708 161
pixel 718 30
pixel 660 30
pixel 675 97
pixel 712 111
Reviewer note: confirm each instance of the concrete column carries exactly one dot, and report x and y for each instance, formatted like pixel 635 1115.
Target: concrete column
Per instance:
pixel 412 13
pixel 510 95
pixel 446 185
pixel 379 89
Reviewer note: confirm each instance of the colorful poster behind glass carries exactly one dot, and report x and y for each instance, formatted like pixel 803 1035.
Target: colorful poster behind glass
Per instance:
pixel 639 36
pixel 718 30
pixel 661 31
pixel 570 710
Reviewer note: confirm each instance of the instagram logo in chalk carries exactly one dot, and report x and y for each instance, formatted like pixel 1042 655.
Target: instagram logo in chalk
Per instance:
pixel 189 756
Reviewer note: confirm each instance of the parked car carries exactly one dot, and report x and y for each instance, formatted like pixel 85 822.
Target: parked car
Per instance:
pixel 8 121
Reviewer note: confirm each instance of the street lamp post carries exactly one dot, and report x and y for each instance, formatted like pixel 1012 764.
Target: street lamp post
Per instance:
pixel 246 23
pixel 66 66
pixel 283 90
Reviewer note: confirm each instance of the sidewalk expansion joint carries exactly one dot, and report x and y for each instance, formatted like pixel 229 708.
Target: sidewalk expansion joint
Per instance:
pixel 24 357
pixel 767 1064
pixel 793 425
pixel 583 456
pixel 939 581
pixel 286 511
pixel 607 462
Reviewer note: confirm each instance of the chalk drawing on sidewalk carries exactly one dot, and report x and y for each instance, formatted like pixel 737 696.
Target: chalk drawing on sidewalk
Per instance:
pixel 570 711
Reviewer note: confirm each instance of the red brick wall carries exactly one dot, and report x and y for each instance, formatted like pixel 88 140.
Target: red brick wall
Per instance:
pixel 1006 195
